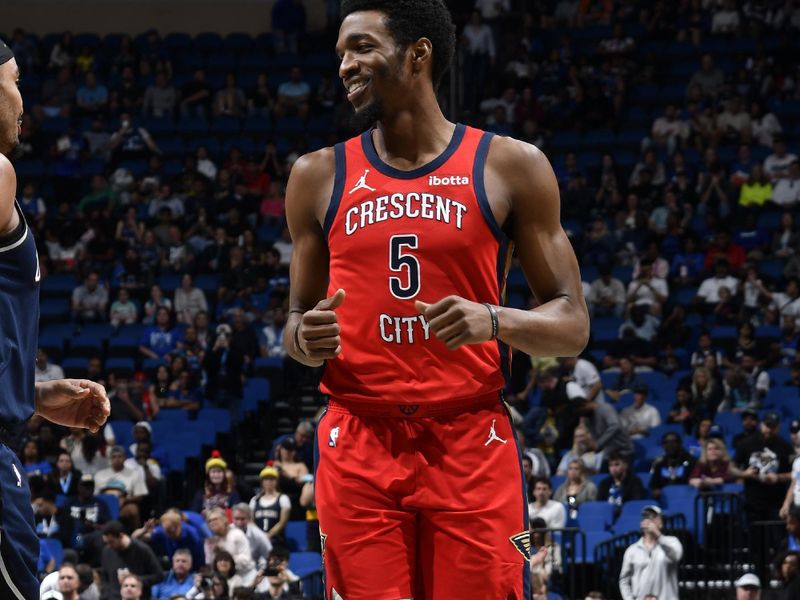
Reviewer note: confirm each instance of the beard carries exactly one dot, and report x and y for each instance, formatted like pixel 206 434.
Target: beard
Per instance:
pixel 367 116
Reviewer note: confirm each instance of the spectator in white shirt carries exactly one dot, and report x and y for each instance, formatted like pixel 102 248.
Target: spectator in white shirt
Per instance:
pixel 230 539
pixel 786 303
pixel 260 544
pixel 46 371
pixel 765 124
pixel 646 289
pixel 544 507
pixel 669 131
pixel 606 295
pixel 189 301
pixel 585 375
pixel 776 165
pixel 726 19
pixel 132 479
pixel 734 124
pixel 708 292
pixel 786 191
pixel 639 418
pixel 650 566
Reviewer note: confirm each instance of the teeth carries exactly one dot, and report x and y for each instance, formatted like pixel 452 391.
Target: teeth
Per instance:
pixel 355 86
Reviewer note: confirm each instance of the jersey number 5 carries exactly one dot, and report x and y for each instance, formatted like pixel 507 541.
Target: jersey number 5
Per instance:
pixel 407 264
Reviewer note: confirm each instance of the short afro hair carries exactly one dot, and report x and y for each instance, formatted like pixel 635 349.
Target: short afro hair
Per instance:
pixel 410 20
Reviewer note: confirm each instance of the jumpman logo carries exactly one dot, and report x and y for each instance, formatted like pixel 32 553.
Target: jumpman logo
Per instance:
pixel 361 184
pixel 493 437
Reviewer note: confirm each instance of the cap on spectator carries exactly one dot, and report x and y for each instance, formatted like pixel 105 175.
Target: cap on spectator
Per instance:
pixel 115 484
pixel 650 511
pixel 641 388
pixel 215 462
pixel 715 431
pixel 289 443
pixel 772 419
pixel 575 392
pixel 748 579
pixel 268 471
pixel 145 425
pixel 795 426
pixel 749 412
pixel 52 595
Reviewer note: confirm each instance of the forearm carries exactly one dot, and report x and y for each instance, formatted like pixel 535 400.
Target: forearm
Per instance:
pixel 559 327
pixel 672 548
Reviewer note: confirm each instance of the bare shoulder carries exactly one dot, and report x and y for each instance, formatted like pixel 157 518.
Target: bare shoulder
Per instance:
pixel 8 192
pixel 516 159
pixel 310 186
pixel 315 164
pixel 524 173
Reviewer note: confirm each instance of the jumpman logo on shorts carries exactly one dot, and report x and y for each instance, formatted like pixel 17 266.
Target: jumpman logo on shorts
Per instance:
pixel 493 437
pixel 361 184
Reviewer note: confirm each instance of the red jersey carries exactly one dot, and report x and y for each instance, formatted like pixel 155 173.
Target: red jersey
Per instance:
pixel 399 236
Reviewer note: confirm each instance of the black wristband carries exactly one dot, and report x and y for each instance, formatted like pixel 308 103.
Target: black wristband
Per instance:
pixel 297 340
pixel 495 320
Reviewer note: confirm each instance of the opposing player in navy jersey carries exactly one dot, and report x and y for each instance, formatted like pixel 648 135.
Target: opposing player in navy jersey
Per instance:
pixel 70 402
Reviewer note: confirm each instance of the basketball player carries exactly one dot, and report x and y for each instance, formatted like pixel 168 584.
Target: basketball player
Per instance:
pixel 70 402
pixel 402 238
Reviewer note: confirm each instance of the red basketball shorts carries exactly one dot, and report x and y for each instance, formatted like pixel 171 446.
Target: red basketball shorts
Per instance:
pixel 429 505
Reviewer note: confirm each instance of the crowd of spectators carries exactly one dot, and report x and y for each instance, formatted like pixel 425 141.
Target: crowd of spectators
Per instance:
pixel 148 165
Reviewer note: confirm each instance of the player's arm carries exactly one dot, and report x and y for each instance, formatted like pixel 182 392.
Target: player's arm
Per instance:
pixel 311 334
pixel 9 219
pixel 559 325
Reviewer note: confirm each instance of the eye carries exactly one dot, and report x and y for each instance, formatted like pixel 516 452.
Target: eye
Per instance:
pixel 364 47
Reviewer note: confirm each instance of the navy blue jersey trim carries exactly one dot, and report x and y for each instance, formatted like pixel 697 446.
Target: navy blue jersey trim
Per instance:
pixel 338 187
pixel 12 239
pixel 480 190
pixel 526 571
pixel 390 171
pixel 502 347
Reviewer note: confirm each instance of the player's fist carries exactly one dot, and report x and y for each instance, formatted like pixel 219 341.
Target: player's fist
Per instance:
pixel 317 334
pixel 457 321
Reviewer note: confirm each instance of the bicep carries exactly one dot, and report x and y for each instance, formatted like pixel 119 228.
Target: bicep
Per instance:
pixel 308 271
pixel 543 249
pixel 8 192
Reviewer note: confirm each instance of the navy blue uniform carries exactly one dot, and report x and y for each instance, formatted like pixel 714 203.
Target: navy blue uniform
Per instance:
pixel 19 332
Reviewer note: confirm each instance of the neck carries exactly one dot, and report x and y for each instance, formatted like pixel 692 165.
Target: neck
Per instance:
pixel 413 134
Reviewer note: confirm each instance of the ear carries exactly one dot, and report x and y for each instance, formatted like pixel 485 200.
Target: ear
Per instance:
pixel 421 56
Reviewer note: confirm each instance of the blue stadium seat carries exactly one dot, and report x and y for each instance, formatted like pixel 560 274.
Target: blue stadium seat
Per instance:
pixel 75 366
pixel 598 511
pixel 305 563
pixel 220 418
pixel 557 480
pixel 238 41
pixel 673 495
pixel 121 366
pixel 593 539
pixel 208 41
pixel 633 508
pixel 626 524
pixel 777 375
pixel 174 416
pixel 295 536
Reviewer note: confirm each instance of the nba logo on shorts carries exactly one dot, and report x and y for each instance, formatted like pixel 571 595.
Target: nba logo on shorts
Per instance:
pixel 334 435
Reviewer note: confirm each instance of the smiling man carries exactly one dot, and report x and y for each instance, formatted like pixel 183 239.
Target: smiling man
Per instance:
pixel 70 402
pixel 402 237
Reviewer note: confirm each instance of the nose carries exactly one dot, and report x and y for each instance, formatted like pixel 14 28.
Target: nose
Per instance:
pixel 348 66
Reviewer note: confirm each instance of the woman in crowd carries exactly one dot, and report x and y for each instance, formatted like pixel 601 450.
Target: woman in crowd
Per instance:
pixel 216 492
pixel 577 489
pixel 583 449
pixel 714 467
pixel 271 508
pixel 293 473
